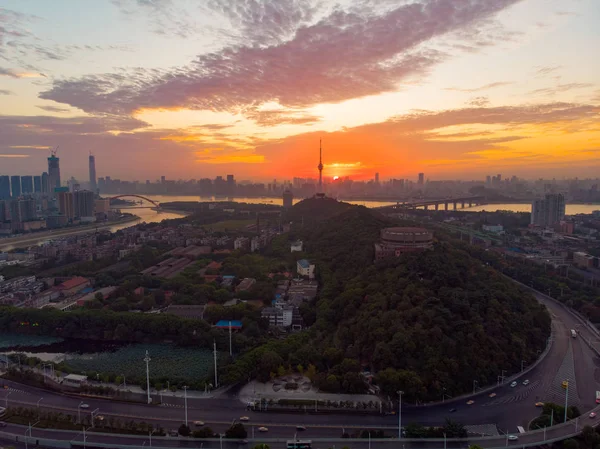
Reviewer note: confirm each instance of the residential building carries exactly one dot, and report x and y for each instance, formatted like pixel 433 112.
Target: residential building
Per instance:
pixel 186 311
pixel 37 184
pixel 27 210
pixel 246 284
pixel 305 268
pixel 584 260
pixel 83 201
pixel 241 243
pixel 73 286
pixel 400 240
pixel 548 211
pixel 296 246
pixel 278 317
pixel 421 180
pixel 4 187
pixel 65 203
pixel 288 199
pixel 26 184
pixel 15 186
pixel 45 183
pixel 496 229
pixel 92 163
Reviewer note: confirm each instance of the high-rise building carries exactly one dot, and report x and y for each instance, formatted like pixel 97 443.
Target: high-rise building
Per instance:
pixel 548 211
pixel 13 211
pixel 53 174
pixel 65 202
pixel 93 186
pixel 377 178
pixel 4 187
pixel 45 183
pixel 288 199
pixel 421 180
pixel 83 201
pixel 320 167
pixel 37 184
pixel 230 184
pixel 3 212
pixel 15 186
pixel 27 210
pixel 26 184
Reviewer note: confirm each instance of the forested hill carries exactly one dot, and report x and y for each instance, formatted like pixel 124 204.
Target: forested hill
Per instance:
pixel 422 322
pixel 313 210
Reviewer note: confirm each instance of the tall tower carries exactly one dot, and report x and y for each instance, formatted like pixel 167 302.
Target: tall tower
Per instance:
pixel 53 173
pixel 320 167
pixel 93 186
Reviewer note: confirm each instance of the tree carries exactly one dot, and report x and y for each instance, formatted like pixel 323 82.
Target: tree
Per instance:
pixel 475 446
pixel 571 444
pixel 237 431
pixel 262 446
pixel 184 430
pixel 205 432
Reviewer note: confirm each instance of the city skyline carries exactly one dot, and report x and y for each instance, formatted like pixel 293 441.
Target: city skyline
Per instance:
pixel 183 90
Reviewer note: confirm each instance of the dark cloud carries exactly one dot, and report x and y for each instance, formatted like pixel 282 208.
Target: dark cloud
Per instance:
pixel 6 92
pixel 480 88
pixel 479 101
pixel 265 22
pixel 212 126
pixel 279 117
pixel 46 125
pixel 342 56
pixel 52 108
pixel 546 70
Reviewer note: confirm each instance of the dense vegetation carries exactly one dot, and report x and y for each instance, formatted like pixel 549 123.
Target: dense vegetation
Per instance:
pixel 424 323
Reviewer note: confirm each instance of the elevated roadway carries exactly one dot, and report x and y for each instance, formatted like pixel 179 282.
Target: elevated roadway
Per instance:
pixel 569 358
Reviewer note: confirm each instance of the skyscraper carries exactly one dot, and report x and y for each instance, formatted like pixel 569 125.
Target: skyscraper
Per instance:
pixel 27 210
pixel 15 186
pixel 320 168
pixel 83 201
pixel 53 174
pixel 93 186
pixel 4 187
pixel 37 184
pixel 3 212
pixel 288 199
pixel 26 184
pixel 421 179
pixel 45 183
pixel 376 178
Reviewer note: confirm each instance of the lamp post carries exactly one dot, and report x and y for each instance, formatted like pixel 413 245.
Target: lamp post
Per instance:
pixel 6 399
pixel 185 387
pixel 444 440
pixel 79 411
pixel 400 393
pixel 38 406
pixel 147 360
pixel 150 436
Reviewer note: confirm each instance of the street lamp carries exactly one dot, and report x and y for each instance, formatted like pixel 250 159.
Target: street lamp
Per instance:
pixel 444 440
pixel 79 411
pixel 8 393
pixel 38 405
pixel 150 436
pixel 147 360
pixel 185 387
pixel 400 393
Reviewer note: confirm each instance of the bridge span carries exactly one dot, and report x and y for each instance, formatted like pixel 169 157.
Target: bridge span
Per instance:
pixel 425 204
pixel 154 203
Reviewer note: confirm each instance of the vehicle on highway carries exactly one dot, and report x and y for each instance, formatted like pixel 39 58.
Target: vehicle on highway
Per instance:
pixel 513 384
pixel 593 415
pixel 573 333
pixel 84 406
pixel 390 413
pixel 597 397
pixel 526 382
pixel 263 429
pixel 539 404
pixel 100 418
pixel 492 395
pixel 471 402
pixel 452 410
pixel 198 423
pixel 513 438
pixel 300 428
pixel 244 418
pixel 299 444
pixel 521 429
pixel 173 433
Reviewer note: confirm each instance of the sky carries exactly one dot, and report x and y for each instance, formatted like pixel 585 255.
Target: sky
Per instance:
pixel 189 89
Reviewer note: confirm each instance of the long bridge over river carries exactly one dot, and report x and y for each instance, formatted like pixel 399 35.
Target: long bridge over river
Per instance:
pixel 465 201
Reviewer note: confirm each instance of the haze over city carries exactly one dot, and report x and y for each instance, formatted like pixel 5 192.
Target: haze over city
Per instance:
pixel 189 89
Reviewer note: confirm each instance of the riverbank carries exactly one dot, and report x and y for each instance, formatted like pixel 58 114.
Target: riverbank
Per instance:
pixel 34 237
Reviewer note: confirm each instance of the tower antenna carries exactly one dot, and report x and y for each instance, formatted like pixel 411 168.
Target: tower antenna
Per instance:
pixel 320 167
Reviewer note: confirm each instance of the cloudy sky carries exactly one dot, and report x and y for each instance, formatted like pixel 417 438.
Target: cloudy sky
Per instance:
pixel 197 88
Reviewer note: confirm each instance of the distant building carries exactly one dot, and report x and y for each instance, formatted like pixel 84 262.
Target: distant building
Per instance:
pixel 45 183
pixel 584 260
pixel 305 268
pixel 15 186
pixel 65 203
pixel 288 199
pixel 4 187
pixel 92 167
pixel 26 184
pixel 241 243
pixel 84 202
pixel 102 206
pixel 186 311
pixel 37 184
pixel 421 180
pixel 53 174
pixel 496 229
pixel 246 284
pixel 549 211
pixel 400 240
pixel 27 210
pixel 74 285
pixel 278 317
pixel 296 246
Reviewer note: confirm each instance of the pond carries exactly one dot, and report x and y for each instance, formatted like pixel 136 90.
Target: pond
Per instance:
pixel 170 361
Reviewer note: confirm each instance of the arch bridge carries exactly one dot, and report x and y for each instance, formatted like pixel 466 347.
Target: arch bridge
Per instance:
pixel 154 203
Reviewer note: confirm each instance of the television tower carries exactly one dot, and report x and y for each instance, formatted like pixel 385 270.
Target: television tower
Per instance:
pixel 320 167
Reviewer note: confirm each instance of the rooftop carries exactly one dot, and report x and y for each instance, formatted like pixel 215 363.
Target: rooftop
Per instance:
pixel 304 263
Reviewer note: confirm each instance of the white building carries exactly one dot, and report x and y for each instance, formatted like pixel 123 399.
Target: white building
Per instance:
pixel 296 246
pixel 548 211
pixel 279 317
pixel 305 268
pixel 254 244
pixel 241 243
pixel 496 229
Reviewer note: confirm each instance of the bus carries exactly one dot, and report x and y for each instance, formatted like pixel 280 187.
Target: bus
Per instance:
pixel 597 397
pixel 573 333
pixel 299 444
pixel 520 429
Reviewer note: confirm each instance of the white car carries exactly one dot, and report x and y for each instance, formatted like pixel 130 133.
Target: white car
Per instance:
pixel 513 438
pixel 592 415
pixel 198 423
pixel 244 418
pixel 263 429
pixel 526 382
pixel 513 384
pixel 84 406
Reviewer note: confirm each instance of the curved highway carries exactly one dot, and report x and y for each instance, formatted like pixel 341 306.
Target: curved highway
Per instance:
pixel 569 358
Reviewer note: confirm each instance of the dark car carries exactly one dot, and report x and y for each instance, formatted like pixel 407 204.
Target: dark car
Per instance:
pixel 452 410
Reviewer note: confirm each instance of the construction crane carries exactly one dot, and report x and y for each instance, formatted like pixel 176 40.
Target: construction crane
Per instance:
pixel 53 152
